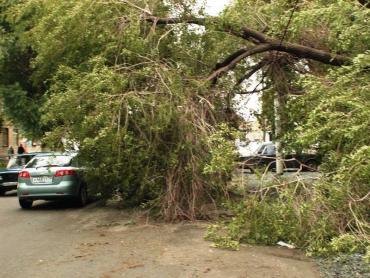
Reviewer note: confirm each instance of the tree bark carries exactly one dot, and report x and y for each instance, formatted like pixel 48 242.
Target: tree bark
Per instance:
pixel 278 133
pixel 232 64
pixel 259 38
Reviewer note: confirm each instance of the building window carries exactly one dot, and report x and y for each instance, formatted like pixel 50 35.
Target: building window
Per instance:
pixel 5 136
pixel 15 137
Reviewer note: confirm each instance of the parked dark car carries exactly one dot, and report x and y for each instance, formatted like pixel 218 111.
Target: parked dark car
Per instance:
pixel 265 157
pixel 9 175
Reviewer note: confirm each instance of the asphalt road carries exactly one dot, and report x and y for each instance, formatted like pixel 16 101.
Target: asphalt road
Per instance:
pixel 56 240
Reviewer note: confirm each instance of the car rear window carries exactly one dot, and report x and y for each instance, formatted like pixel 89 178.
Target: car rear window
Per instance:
pixel 18 161
pixel 50 161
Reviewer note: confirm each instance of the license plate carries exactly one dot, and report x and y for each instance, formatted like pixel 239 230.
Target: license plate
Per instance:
pixel 41 180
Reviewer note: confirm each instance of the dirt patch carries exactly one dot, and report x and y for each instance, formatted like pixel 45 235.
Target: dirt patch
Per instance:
pixel 93 242
pixel 137 247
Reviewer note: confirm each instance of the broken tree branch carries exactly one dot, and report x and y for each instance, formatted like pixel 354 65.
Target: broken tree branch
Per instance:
pixel 228 60
pixel 247 52
pixel 254 91
pixel 256 37
pixel 253 70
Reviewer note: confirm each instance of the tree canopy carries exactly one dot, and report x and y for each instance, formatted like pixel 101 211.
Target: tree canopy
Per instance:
pixel 144 88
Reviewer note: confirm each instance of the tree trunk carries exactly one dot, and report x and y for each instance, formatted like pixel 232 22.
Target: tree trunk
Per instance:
pixel 278 132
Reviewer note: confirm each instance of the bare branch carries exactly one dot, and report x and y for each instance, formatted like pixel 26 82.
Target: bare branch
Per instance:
pixel 254 91
pixel 175 20
pixel 228 60
pixel 365 3
pixel 145 10
pixel 253 70
pixel 246 53
pixel 258 38
pixel 302 52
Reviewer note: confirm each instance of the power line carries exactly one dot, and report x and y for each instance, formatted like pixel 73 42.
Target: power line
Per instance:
pixel 274 58
pixel 289 21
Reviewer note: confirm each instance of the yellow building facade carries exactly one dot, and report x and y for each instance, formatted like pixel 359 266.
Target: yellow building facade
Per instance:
pixel 11 136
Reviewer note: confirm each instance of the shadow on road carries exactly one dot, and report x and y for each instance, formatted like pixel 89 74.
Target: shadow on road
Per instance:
pixel 50 205
pixel 53 205
pixel 8 194
pixel 60 205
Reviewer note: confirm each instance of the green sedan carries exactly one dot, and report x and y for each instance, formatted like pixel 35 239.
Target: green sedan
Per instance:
pixel 51 177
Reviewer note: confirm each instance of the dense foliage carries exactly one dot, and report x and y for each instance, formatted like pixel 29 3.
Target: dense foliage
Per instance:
pixel 19 94
pixel 330 216
pixel 130 93
pixel 127 95
pixel 327 110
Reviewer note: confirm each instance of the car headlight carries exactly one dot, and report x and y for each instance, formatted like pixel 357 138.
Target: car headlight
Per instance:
pixel 1 178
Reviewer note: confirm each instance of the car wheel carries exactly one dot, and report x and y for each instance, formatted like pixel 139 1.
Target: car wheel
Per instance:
pixel 250 168
pixel 272 167
pixel 25 204
pixel 82 196
pixel 2 192
pixel 311 166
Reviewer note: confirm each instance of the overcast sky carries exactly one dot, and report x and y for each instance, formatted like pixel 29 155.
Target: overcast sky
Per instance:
pixel 214 7
pixel 245 105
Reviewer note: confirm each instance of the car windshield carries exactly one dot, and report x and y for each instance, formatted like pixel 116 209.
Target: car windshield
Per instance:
pixel 18 161
pixel 266 149
pixel 50 161
pixel 261 149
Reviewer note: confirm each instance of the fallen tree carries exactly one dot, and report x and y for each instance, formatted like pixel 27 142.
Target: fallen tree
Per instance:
pixel 148 105
pixel 262 42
